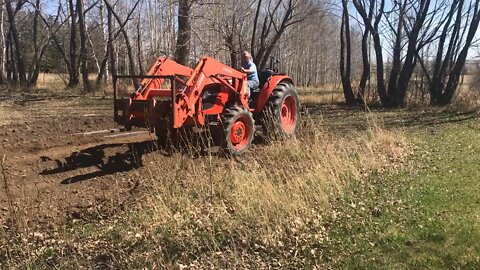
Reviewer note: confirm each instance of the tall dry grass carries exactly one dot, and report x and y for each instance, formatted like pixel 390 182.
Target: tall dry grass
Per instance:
pixel 269 208
pixel 466 100
pixel 266 208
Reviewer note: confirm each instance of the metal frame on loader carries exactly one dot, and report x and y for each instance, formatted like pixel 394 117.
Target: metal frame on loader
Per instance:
pixel 212 95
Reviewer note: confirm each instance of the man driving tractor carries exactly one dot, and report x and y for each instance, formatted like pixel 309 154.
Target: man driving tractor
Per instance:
pixel 251 69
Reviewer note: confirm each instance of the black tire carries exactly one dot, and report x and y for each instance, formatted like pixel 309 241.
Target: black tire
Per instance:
pixel 241 119
pixel 276 123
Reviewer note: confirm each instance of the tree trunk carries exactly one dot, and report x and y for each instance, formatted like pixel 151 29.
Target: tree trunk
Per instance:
pixel 397 54
pixel 110 47
pixel 413 47
pixel 182 51
pixel 3 48
pixel 74 73
pixel 104 68
pixel 437 83
pixel 456 72
pixel 254 31
pixel 366 67
pixel 377 44
pixel 35 66
pixel 345 56
pixel 83 46
pixel 139 46
pixel 19 59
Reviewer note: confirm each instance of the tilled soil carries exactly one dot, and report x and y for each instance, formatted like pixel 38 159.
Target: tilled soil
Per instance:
pixel 52 172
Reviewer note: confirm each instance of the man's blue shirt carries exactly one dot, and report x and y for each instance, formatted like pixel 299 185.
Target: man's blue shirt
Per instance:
pixel 251 76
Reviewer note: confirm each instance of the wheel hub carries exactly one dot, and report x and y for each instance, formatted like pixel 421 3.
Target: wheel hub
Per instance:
pixel 238 132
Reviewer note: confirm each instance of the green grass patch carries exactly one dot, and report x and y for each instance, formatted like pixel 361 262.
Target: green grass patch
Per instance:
pixel 427 216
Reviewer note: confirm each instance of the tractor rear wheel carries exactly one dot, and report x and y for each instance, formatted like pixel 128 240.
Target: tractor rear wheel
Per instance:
pixel 238 130
pixel 281 114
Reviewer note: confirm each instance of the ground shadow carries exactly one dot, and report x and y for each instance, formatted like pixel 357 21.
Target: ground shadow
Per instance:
pixel 108 158
pixel 353 117
pixel 429 118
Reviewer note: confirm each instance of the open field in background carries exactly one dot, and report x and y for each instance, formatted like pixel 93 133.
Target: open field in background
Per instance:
pixel 380 189
pixel 53 82
pixel 467 99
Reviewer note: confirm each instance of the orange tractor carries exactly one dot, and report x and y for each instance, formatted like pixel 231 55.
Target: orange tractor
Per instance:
pixel 172 98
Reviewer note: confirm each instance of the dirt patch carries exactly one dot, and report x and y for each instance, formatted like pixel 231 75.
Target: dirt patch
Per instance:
pixel 52 173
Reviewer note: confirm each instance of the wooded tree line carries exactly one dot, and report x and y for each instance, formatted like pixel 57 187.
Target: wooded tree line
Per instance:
pixel 381 46
pixel 412 40
pixel 77 38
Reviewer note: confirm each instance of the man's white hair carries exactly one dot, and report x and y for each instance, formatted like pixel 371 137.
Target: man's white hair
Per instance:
pixel 247 54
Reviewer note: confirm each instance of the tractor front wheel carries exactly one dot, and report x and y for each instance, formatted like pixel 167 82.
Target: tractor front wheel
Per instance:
pixel 238 130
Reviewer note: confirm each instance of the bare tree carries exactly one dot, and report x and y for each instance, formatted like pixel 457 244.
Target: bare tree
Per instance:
pixel 17 60
pixel 111 48
pixel 448 27
pixel 233 26
pixel 449 64
pixel 114 35
pixel 2 42
pixel 126 38
pixel 280 15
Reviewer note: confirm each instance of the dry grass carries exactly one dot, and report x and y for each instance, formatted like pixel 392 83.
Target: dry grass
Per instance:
pixel 272 202
pixel 467 100
pixel 53 82
pixel 323 95
pixel 57 83
pixel 267 209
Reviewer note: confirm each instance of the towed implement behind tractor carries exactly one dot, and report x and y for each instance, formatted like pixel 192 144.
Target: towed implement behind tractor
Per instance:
pixel 213 96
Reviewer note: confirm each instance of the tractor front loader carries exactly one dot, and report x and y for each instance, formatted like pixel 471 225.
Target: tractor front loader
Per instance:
pixel 212 96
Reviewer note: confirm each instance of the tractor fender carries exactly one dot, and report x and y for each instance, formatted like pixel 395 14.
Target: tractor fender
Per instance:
pixel 267 89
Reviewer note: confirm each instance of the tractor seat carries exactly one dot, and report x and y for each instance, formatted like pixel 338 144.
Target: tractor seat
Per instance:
pixel 263 76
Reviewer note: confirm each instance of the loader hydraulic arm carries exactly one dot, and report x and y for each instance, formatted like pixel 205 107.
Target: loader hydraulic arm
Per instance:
pixel 188 103
pixel 151 87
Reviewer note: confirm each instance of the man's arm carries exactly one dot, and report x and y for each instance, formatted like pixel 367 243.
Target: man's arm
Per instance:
pixel 248 70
